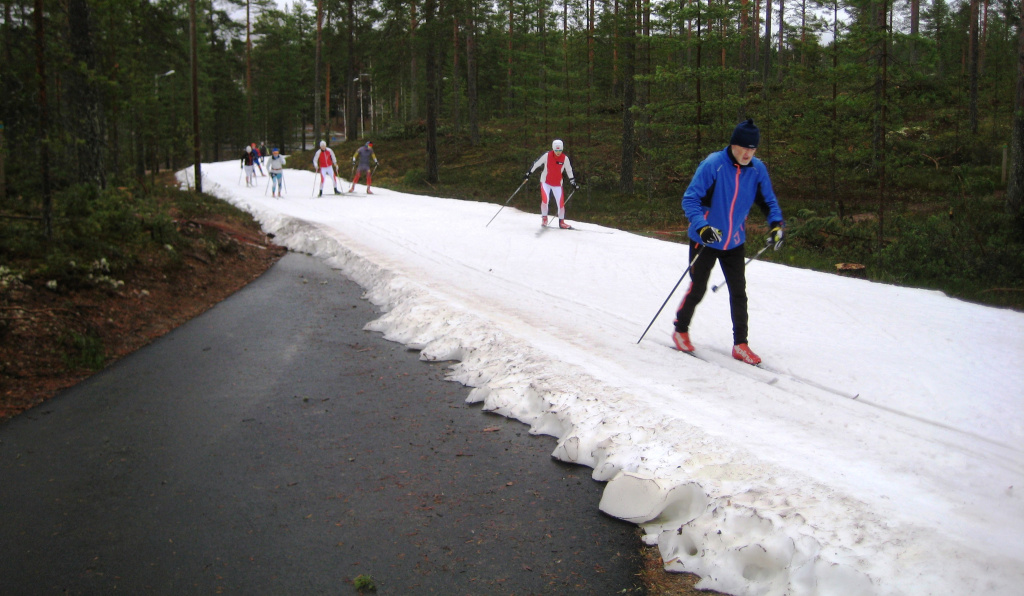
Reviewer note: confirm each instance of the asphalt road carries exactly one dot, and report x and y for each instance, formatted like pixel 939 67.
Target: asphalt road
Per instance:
pixel 272 446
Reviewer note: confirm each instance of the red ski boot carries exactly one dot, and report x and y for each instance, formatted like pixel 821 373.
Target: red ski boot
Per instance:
pixel 543 220
pixel 682 341
pixel 563 225
pixel 743 353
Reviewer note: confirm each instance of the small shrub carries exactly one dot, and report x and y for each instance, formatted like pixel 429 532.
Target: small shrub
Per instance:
pixel 414 177
pixel 83 351
pixel 364 583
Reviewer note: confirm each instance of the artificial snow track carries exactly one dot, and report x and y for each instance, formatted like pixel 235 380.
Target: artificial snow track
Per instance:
pixel 544 329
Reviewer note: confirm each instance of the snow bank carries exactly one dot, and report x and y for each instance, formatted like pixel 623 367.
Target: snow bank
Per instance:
pixel 717 498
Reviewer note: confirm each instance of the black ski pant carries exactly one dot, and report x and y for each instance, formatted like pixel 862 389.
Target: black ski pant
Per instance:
pixel 734 267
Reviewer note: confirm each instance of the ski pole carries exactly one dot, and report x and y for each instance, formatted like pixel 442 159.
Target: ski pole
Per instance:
pixel 690 266
pixel 312 191
pixel 569 199
pixel 508 201
pixel 240 175
pixel 715 288
pixel 565 203
pixel 268 186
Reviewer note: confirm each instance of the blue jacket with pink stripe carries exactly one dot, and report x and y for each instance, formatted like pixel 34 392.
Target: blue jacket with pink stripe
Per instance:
pixel 721 195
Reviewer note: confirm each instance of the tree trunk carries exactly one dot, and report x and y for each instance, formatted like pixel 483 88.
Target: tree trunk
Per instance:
pixel 508 75
pixel 743 59
pixel 3 168
pixel 881 103
pixel 767 46
pixel 432 86
pixel 196 153
pixel 352 78
pixel 1015 186
pixel 699 87
pixel 327 101
pixel 834 133
pixel 248 68
pixel 615 51
pixel 565 62
pixel 85 111
pixel 644 97
pixel 628 45
pixel 803 33
pixel 44 119
pixel 414 94
pixel 782 36
pixel 590 68
pixel 471 89
pixel 456 93
pixel 316 71
pixel 973 68
pixel 915 28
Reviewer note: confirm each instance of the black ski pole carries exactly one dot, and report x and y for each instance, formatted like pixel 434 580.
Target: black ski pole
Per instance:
pixel 508 201
pixel 717 287
pixel 690 266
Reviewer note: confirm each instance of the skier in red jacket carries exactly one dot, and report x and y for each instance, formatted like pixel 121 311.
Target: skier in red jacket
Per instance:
pixel 554 162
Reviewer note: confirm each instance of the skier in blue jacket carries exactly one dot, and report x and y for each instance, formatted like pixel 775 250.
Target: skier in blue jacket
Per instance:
pixel 724 188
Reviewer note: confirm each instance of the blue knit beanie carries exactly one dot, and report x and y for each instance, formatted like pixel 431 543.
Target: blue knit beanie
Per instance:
pixel 746 134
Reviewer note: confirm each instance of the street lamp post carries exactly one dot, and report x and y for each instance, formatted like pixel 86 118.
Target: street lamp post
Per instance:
pixel 362 128
pixel 156 77
pixel 156 95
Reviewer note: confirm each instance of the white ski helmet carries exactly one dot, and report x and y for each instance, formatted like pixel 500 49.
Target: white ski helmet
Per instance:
pixel 323 144
pixel 556 145
pixel 248 149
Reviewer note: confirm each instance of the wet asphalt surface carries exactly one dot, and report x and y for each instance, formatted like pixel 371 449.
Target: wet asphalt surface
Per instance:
pixel 272 446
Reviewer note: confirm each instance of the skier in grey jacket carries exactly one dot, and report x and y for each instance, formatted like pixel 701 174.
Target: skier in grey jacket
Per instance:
pixel 363 155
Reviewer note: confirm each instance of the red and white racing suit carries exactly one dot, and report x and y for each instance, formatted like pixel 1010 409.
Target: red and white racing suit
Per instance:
pixel 324 159
pixel 551 180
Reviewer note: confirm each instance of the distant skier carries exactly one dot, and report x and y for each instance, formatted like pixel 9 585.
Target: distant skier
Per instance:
pixel 258 158
pixel 554 162
pixel 326 162
pixel 717 201
pixel 363 155
pixel 275 165
pixel 248 159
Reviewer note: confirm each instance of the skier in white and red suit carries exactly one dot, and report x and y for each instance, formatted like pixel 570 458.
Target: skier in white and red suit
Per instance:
pixel 325 162
pixel 554 162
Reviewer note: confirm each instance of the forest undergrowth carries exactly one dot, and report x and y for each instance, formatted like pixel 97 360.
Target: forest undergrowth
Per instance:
pixel 943 230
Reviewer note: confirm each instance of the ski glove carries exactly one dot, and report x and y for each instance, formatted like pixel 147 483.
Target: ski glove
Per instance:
pixel 527 176
pixel 573 182
pixel 709 235
pixel 775 234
